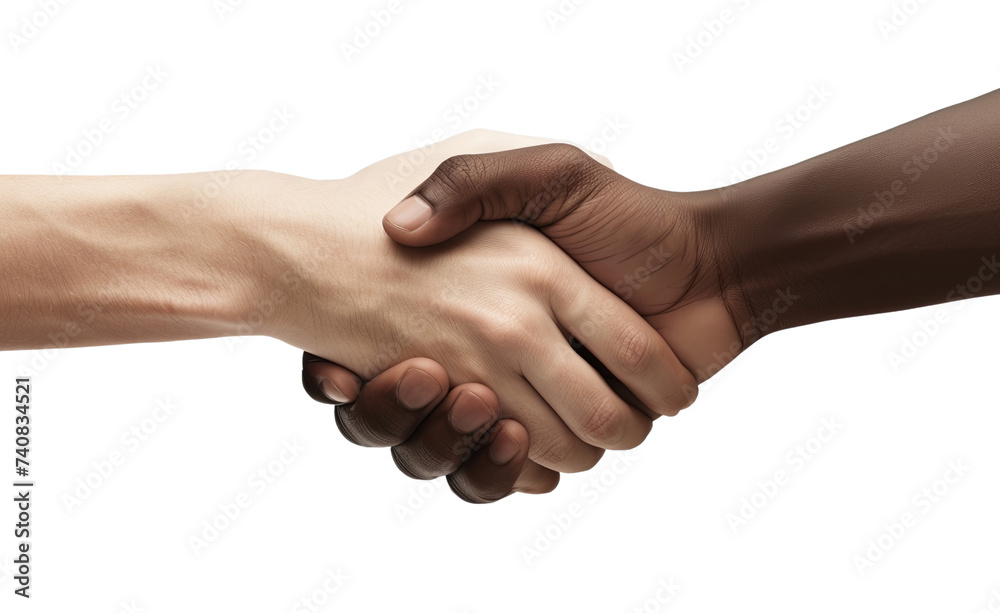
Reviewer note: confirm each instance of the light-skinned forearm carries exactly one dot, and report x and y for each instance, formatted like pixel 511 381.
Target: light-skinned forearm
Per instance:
pixel 103 260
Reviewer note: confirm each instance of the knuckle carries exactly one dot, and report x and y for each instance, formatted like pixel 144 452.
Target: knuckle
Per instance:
pixel 553 453
pixel 573 177
pixel 460 173
pixel 634 349
pixel 578 167
pixel 507 334
pixel 605 424
pixel 570 156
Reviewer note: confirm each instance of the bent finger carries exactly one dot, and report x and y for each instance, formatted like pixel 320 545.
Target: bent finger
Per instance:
pixel 393 404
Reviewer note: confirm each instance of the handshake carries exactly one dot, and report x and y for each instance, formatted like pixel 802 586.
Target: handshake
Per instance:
pixel 501 309
pixel 525 349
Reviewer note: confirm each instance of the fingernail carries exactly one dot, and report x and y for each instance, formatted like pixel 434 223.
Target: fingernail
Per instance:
pixel 417 389
pixel 469 413
pixel 410 214
pixel 503 449
pixel 332 391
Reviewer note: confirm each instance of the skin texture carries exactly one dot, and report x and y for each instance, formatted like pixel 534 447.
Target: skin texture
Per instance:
pixel 138 259
pixel 656 249
pixel 434 440
pixel 906 218
pixel 105 260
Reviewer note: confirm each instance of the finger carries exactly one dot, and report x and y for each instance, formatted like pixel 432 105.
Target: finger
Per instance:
pixel 408 169
pixel 584 400
pixel 327 382
pixel 450 434
pixel 623 341
pixel 553 444
pixel 392 405
pixel 616 386
pixel 459 428
pixel 420 162
pixel 535 478
pixel 537 185
pixel 493 471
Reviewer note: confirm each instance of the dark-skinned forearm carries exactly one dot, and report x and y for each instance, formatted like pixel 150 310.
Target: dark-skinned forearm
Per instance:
pixel 905 218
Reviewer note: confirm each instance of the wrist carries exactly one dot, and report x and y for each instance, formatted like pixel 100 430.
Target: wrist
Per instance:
pixel 767 254
pixel 216 223
pixel 307 250
pixel 275 252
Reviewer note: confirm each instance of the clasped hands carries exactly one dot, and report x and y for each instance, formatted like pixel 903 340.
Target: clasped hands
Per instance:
pixel 499 354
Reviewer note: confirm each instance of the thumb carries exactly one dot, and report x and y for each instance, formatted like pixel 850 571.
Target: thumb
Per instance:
pixel 535 185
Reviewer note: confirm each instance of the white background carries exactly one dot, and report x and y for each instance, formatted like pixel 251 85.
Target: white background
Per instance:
pixel 664 517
